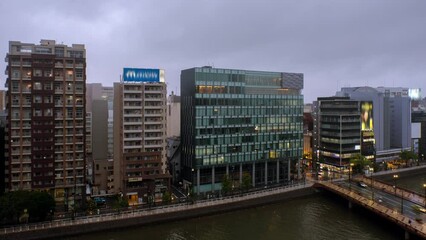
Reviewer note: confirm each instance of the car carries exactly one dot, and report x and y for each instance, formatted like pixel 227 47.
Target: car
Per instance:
pixel 99 200
pixel 423 210
pixel 361 184
pixel 379 199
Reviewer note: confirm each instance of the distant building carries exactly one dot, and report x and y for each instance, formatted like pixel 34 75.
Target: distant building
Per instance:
pixel 46 119
pixel 140 113
pixel 239 123
pixel 342 128
pixel 173 116
pixel 174 159
pixel 3 175
pixel 100 157
pixel 2 100
pixel 308 125
pixel 391 118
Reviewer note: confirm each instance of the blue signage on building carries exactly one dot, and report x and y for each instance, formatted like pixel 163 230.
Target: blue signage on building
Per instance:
pixel 141 75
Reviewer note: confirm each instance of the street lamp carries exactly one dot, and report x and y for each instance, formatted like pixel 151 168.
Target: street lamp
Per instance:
pixel 372 187
pixel 350 169
pixel 395 177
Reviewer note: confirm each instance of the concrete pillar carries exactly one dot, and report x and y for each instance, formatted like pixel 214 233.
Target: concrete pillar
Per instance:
pixel 349 204
pixel 266 173
pixel 406 235
pixel 198 181
pixel 253 174
pixel 278 171
pixel 241 173
pixel 213 179
pixel 227 170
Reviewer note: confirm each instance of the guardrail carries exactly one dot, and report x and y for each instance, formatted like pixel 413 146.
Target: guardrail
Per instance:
pixel 155 210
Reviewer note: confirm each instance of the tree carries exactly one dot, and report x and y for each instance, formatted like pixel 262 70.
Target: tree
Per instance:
pixel 35 205
pixel 226 184
pixel 120 203
pixel 407 155
pixel 91 206
pixel 167 197
pixel 246 181
pixel 360 163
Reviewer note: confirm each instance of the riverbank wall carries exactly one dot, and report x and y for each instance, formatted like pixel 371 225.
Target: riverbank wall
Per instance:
pixel 158 215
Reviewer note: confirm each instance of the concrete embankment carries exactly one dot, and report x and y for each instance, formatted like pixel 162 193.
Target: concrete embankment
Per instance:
pixel 157 215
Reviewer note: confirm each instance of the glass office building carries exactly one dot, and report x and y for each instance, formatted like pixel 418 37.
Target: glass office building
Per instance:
pixel 239 123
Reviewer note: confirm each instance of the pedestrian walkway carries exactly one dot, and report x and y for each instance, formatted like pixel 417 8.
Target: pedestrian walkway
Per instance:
pixel 138 213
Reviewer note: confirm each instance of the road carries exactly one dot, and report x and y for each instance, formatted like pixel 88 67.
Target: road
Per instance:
pixel 388 200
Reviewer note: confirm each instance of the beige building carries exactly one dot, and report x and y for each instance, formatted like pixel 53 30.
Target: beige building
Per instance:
pixel 173 116
pixel 140 137
pixel 2 100
pixel 46 135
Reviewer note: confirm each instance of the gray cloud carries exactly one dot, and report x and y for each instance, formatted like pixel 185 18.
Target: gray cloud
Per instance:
pixel 334 43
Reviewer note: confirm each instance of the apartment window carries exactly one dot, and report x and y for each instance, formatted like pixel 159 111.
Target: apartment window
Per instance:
pixel 37 72
pixel 37 86
pixel 48 73
pixel 16 73
pixel 76 54
pixel 79 73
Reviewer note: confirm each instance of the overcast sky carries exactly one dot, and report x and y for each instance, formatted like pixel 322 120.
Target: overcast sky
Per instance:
pixel 335 44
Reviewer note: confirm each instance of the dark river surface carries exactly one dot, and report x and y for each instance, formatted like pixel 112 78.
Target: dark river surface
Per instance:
pixel 318 216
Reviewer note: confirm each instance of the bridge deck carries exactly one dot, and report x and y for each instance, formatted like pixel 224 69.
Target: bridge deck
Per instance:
pixel 398 191
pixel 405 222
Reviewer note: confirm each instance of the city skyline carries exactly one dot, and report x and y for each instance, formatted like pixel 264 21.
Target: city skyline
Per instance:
pixel 335 44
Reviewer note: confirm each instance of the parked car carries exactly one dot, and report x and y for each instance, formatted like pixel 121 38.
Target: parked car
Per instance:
pixel 99 201
pixel 361 184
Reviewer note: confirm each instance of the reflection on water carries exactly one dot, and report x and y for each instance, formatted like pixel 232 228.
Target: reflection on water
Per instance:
pixel 318 216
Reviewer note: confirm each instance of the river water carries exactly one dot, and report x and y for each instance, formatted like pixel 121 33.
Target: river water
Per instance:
pixel 319 216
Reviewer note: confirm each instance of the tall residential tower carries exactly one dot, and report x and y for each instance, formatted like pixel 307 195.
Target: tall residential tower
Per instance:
pixel 45 98
pixel 140 112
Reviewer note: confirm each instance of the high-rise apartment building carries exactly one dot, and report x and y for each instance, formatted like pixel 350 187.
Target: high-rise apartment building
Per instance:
pixel 46 119
pixel 140 112
pixel 239 123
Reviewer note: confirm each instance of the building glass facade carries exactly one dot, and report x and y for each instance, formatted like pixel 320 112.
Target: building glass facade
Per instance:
pixel 236 122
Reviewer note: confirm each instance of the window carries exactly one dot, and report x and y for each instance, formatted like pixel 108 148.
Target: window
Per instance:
pixel 37 86
pixel 79 73
pixel 37 72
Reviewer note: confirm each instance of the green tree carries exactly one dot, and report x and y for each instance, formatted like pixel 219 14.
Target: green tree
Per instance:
pixel 36 205
pixel 407 155
pixel 120 203
pixel 167 197
pixel 226 184
pixel 91 206
pixel 246 181
pixel 360 163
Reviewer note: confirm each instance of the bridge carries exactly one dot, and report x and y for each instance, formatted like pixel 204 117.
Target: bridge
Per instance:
pixel 384 200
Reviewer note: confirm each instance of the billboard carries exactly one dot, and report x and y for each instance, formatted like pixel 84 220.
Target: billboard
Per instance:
pixel 366 116
pixel 143 75
pixel 414 93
